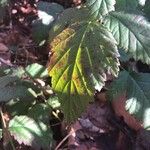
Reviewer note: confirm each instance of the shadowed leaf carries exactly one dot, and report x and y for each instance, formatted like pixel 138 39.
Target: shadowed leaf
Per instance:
pixel 137 90
pixel 128 4
pixel 132 32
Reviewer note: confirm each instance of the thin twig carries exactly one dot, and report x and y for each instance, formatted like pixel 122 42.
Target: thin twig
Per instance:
pixel 6 129
pixel 3 120
pixel 63 140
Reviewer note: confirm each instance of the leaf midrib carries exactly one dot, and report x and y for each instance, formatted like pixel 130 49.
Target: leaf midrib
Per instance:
pixel 75 63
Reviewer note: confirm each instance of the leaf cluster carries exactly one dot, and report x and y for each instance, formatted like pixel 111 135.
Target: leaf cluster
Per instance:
pixel 91 42
pixel 87 44
pixel 27 98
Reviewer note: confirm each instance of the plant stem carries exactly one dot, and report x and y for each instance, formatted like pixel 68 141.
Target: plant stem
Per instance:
pixel 63 140
pixel 6 129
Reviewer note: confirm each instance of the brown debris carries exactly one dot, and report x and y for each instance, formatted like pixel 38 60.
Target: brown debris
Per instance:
pixel 92 128
pixel 119 108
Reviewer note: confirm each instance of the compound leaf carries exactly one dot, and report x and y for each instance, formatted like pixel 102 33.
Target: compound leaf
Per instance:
pixel 137 88
pixel 97 8
pixel 132 32
pixel 81 54
pixel 26 130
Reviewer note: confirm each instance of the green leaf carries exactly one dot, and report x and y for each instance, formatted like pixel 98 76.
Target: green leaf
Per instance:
pixel 128 4
pixel 97 8
pixel 34 133
pixel 68 17
pixel 12 87
pixel 3 70
pixel 137 88
pixel 81 55
pixel 19 106
pixel 40 112
pixel 52 9
pixel 47 13
pixel 146 9
pixel 15 72
pixel 132 33
pixel 18 72
pixel 54 102
pixel 124 57
pixel 36 71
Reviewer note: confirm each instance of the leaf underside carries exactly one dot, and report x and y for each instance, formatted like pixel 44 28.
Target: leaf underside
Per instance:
pixel 81 54
pixel 137 89
pixel 132 32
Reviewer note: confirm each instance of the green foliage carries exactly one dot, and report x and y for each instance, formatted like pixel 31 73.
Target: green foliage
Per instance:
pixel 13 88
pixel 83 48
pixel 73 64
pixel 19 89
pixel 129 4
pixel 40 112
pixel 30 132
pixel 68 17
pixel 19 106
pixel 146 9
pixel 53 102
pixel 124 57
pixel 137 88
pixel 47 13
pixel 132 32
pixel 97 8
pixel 36 71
